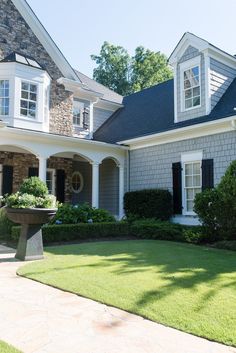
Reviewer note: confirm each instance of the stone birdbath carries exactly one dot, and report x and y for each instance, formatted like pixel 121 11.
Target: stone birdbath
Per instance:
pixel 31 207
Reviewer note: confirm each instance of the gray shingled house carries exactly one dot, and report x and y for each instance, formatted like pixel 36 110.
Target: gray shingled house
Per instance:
pixel 90 144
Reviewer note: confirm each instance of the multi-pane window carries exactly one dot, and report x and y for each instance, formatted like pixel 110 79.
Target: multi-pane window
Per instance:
pixel 4 97
pixel 192 95
pixel 192 183
pixel 78 110
pixel 28 102
pixel 50 181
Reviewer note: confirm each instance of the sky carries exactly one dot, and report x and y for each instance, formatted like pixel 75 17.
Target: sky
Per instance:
pixel 80 27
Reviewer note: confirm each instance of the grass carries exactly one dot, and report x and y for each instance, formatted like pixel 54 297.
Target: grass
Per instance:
pixel 184 286
pixel 5 348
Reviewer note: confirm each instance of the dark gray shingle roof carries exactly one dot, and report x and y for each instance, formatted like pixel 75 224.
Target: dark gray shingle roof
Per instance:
pixel 108 94
pixel 152 111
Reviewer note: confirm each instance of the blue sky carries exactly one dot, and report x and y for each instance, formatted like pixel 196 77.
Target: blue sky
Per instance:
pixel 80 27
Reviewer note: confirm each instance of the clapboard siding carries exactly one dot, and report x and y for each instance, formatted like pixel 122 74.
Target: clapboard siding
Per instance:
pixel 221 76
pixel 100 116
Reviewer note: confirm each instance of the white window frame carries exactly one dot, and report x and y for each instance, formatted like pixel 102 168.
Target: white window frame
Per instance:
pixel 53 173
pixel 188 65
pixel 6 97
pixel 82 106
pixel 186 158
pixel 36 102
pixel 82 182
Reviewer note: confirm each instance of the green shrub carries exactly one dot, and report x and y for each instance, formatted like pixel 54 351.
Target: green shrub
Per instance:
pixel 153 203
pixel 34 186
pixel 149 229
pixel 73 232
pixel 216 208
pixel 69 214
pixel 225 244
pixel 33 193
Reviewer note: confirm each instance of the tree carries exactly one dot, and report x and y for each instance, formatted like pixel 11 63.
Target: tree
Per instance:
pixel 149 68
pixel 125 74
pixel 113 68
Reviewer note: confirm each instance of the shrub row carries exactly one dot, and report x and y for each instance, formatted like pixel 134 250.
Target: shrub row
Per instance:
pixel 145 229
pixel 73 232
pixel 152 203
pixel 167 231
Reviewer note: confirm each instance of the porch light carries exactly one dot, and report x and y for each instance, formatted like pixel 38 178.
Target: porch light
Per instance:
pixel 85 118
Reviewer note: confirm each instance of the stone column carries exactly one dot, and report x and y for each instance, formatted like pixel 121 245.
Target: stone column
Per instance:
pixel 42 168
pixel 121 191
pixel 95 184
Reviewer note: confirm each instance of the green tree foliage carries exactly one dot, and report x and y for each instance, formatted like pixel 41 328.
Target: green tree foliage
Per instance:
pixel 216 208
pixel 124 74
pixel 148 69
pixel 113 68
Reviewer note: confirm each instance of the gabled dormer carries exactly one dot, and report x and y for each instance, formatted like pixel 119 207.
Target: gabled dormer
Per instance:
pixel 202 74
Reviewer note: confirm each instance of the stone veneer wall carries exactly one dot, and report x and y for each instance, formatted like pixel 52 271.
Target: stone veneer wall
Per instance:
pixel 15 35
pixel 22 161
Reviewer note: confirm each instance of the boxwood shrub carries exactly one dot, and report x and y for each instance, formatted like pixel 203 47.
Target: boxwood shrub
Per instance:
pixel 73 232
pixel 150 203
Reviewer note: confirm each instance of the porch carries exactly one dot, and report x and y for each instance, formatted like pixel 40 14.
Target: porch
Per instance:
pixel 75 171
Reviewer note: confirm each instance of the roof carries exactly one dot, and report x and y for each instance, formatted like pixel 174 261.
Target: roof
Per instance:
pixel 152 111
pixel 108 94
pixel 22 59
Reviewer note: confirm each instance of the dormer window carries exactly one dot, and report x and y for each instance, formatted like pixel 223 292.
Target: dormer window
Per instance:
pixel 192 92
pixel 4 97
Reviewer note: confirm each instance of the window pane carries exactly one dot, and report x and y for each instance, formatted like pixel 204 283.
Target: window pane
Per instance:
pixel 188 181
pixel 32 113
pixel 188 93
pixel 195 71
pixel 24 104
pixel 189 206
pixel 188 103
pixel 187 84
pixel 190 194
pixel 188 169
pixel 197 180
pixel 33 97
pixel 196 168
pixel 196 91
pixel 25 86
pixel 33 88
pixel 23 112
pixel 196 101
pixel 24 94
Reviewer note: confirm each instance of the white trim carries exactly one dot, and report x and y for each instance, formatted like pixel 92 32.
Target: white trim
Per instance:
pixel 188 65
pixel 193 131
pixel 45 39
pixel 207 83
pixel 187 158
pixel 82 182
pixel 175 93
pixel 191 156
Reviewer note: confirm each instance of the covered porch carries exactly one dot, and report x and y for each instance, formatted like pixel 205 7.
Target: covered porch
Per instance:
pixel 75 170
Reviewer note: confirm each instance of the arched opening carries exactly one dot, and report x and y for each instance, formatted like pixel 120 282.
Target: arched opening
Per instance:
pixel 109 185
pixel 16 162
pixel 73 177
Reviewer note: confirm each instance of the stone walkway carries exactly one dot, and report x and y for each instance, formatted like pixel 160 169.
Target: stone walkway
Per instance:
pixel 39 319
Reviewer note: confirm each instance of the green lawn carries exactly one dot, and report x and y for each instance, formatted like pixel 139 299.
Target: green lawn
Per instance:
pixel 5 348
pixel 184 286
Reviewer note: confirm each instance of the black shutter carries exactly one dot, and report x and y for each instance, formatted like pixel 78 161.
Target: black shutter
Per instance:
pixel 60 185
pixel 7 180
pixel 177 187
pixel 207 174
pixel 33 172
